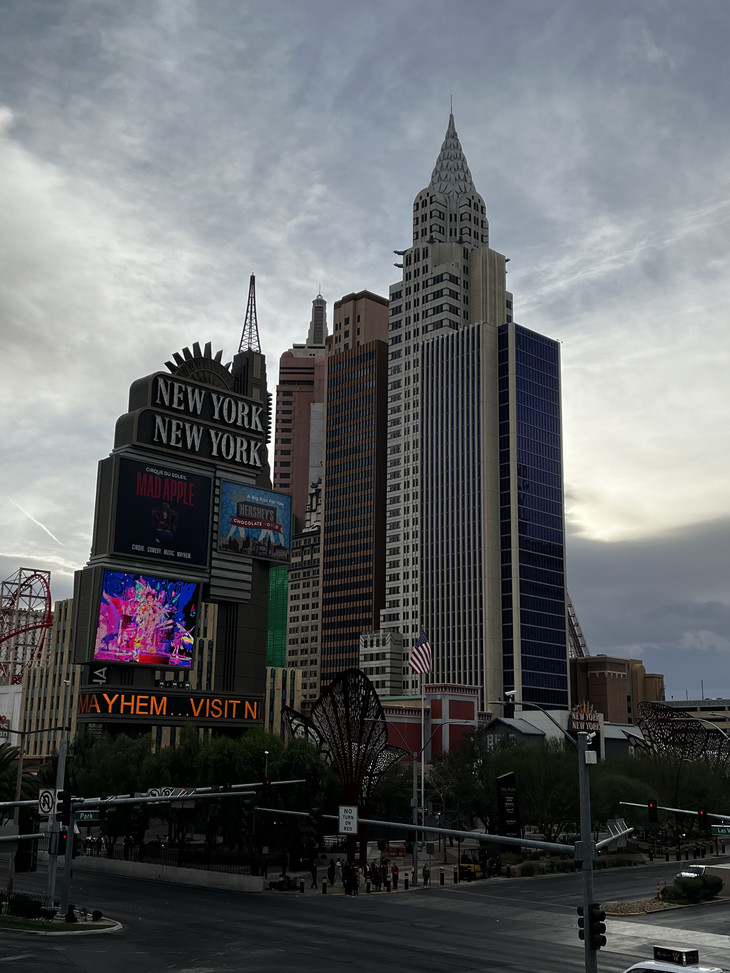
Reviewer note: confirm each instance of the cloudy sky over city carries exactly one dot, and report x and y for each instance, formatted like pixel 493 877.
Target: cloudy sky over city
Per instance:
pixel 155 153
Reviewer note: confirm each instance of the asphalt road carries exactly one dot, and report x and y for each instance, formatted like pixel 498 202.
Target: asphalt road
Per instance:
pixel 500 925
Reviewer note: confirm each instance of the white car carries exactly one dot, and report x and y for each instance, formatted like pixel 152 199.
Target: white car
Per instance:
pixel 691 871
pixel 670 959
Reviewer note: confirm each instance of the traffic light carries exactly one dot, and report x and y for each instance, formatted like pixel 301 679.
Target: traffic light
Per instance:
pixel 703 821
pixel 61 846
pixel 653 812
pixel 419 818
pixel 596 925
pixel 63 807
pixel 248 817
pixel 266 791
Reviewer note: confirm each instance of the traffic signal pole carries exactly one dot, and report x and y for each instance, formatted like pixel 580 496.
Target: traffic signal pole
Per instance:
pixel 587 848
pixel 53 858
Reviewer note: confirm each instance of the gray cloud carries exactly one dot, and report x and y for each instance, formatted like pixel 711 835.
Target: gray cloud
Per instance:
pixel 154 154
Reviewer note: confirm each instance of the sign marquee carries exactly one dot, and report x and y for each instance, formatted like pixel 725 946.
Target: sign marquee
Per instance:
pixel 191 419
pixel 176 706
pixel 583 718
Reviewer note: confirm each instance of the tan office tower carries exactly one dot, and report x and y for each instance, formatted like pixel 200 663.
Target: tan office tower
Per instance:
pixel 300 415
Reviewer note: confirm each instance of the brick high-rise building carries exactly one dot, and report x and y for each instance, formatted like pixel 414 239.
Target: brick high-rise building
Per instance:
pixel 300 415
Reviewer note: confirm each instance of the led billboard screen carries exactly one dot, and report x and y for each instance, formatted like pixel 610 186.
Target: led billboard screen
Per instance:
pixel 146 620
pixel 254 522
pixel 162 512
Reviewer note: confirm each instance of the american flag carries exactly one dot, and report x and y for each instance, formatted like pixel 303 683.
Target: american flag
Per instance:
pixel 421 657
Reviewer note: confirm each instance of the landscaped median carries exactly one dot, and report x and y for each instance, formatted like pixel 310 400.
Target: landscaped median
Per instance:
pixel 24 913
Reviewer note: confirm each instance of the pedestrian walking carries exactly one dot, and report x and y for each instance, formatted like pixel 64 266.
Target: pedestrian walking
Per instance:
pixel 331 872
pixel 426 876
pixel 394 871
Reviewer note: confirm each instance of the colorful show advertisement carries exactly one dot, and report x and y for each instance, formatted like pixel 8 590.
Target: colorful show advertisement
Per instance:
pixel 146 620
pixel 254 522
pixel 162 513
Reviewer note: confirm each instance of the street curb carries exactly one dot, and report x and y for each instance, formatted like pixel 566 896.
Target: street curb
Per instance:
pixel 113 926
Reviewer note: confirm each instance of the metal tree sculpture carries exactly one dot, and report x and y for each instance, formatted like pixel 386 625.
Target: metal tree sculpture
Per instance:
pixel 348 724
pixel 676 732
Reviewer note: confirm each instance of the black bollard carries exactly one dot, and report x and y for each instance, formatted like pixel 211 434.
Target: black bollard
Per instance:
pixel 324 886
pixel 301 885
pixel 405 883
pixel 456 875
pixel 441 876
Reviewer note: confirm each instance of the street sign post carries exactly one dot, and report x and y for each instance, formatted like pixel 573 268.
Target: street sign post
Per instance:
pixel 46 802
pixel 348 819
pixel 86 817
pixel 720 829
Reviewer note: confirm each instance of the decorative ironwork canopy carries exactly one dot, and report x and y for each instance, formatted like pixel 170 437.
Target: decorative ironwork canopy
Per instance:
pixel 348 724
pixel 674 731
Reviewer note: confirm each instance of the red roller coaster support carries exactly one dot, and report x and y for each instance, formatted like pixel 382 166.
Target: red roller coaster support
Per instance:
pixel 25 617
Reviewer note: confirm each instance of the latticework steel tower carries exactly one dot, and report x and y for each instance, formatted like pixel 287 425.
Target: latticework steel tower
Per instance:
pixel 250 337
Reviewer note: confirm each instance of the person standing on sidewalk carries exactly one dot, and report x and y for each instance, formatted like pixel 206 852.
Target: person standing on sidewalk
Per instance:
pixel 394 871
pixel 426 876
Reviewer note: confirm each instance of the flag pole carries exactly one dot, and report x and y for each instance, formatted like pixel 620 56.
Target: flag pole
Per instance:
pixel 423 750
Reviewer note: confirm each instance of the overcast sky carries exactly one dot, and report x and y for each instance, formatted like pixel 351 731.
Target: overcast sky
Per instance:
pixel 155 153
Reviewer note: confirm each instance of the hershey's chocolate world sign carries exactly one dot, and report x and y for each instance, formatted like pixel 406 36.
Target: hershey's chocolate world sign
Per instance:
pixel 171 415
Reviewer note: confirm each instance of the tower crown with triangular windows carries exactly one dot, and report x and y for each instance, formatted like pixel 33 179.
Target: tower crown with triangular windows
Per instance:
pixel 449 209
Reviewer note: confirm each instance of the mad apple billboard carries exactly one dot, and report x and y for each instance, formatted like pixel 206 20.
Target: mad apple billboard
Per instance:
pixel 146 620
pixel 254 522
pixel 162 512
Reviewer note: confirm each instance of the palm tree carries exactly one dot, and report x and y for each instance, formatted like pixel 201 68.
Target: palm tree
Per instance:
pixel 9 778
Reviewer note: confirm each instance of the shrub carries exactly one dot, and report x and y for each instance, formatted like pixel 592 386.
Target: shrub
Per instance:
pixel 711 886
pixel 670 893
pixel 528 869
pixel 24 907
pixel 693 890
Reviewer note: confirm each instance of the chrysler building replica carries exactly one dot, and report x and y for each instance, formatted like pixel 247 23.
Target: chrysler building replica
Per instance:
pixel 475 550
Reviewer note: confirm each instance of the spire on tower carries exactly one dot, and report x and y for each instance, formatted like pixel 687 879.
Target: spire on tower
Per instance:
pixel 250 337
pixel 451 173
